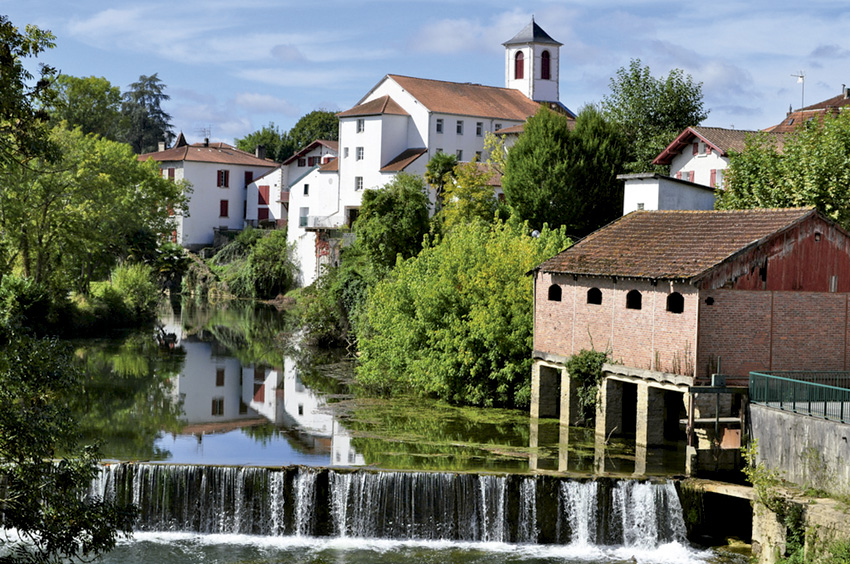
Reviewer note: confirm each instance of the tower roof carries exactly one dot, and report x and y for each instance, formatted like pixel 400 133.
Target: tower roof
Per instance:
pixel 532 33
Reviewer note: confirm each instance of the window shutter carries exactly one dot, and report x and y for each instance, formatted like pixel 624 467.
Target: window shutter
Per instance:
pixel 249 177
pixel 223 208
pixel 713 181
pixel 263 195
pixel 696 148
pixel 679 175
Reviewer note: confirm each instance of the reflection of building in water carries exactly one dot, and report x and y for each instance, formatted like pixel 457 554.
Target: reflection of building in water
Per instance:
pixel 217 391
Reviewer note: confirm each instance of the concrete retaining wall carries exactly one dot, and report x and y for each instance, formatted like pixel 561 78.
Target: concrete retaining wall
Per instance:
pixel 807 450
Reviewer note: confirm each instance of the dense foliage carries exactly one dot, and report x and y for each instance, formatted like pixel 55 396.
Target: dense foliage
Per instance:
pixel 585 369
pixel 556 175
pixel 393 220
pixel 812 169
pixel 652 111
pixel 43 499
pixel 91 103
pixel 280 145
pixel 467 196
pixel 455 321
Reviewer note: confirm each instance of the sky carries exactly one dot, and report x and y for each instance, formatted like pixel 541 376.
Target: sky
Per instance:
pixel 232 67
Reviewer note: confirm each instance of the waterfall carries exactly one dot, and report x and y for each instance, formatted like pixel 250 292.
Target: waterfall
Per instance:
pixel 317 502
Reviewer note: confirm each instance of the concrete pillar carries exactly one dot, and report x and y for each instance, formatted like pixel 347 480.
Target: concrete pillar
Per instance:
pixel 649 427
pixel 570 414
pixel 640 460
pixel 545 396
pixel 563 447
pixel 609 408
pixel 533 442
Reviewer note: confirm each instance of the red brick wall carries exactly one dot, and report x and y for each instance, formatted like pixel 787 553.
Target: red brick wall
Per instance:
pixel 757 330
pixel 650 338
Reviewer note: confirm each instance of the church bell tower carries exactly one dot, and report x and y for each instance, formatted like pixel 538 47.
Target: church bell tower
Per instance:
pixel 532 64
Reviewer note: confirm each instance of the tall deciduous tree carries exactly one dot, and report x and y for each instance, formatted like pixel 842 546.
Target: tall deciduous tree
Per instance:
pixel 439 172
pixel 67 221
pixel 318 124
pixel 559 174
pixel 23 120
pixel 811 169
pixel 393 220
pixel 90 103
pixel 652 111
pixel 46 501
pixel 270 137
pixel 147 122
pixel 468 196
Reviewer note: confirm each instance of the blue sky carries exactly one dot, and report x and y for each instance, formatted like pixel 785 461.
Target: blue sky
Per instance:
pixel 234 66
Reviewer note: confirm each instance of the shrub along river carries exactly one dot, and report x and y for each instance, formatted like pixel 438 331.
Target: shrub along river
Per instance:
pixel 240 445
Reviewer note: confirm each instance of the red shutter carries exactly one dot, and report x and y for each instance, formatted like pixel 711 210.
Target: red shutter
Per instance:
pixel 171 174
pixel 696 148
pixel 263 196
pixel 262 214
pixel 713 181
pixel 223 180
pixel 223 208
pixel 679 175
pixel 249 177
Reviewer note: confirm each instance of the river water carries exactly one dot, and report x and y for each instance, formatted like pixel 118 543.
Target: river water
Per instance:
pixel 232 386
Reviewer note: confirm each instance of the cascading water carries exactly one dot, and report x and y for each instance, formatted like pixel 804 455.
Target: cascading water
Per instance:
pixel 314 503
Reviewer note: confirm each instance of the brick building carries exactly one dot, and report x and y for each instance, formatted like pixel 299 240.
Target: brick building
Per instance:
pixel 676 296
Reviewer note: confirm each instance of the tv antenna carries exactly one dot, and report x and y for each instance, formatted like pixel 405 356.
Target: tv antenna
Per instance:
pixel 801 80
pixel 206 131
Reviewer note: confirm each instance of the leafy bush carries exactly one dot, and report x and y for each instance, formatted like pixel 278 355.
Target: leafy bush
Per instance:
pixel 135 285
pixel 455 321
pixel 585 368
pixel 24 302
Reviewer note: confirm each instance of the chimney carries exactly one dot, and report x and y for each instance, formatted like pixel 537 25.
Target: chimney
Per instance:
pixel 161 146
pixel 845 91
pixel 260 151
pixel 206 141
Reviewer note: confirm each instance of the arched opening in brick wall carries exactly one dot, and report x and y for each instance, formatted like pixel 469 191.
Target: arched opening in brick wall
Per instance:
pixel 554 293
pixel 634 300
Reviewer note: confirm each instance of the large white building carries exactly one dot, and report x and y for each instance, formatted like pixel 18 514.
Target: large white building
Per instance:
pixel 399 125
pixel 219 175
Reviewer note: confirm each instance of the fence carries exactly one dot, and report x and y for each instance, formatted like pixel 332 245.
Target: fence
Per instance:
pixel 819 394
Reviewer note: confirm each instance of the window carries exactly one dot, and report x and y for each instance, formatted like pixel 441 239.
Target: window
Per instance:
pixel 545 66
pixel 262 214
pixel 313 161
pixel 594 296
pixel 263 195
pixel 675 303
pixel 479 129
pixel 223 208
pixel 459 127
pixel 359 155
pixel 640 206
pixel 223 180
pixel 497 126
pixel 218 406
pixel 478 156
pixel 302 216
pixel 459 154
pixel 171 174
pixel 306 189
pixel 361 125
pixel 358 182
pixel 633 300
pixel 249 177
pixel 345 152
pixel 302 162
pixel 219 376
pixel 439 125
pixel 554 293
pixel 519 66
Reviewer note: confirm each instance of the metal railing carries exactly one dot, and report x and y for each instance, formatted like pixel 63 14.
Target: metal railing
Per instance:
pixel 818 394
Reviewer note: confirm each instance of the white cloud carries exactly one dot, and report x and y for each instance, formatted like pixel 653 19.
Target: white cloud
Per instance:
pixel 264 103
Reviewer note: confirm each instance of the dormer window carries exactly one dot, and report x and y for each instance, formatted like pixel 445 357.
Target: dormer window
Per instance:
pixel 519 66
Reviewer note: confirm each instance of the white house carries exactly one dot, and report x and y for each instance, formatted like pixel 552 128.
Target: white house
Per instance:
pixel 220 175
pixel 400 124
pixel 648 191
pixel 701 154
pixel 266 200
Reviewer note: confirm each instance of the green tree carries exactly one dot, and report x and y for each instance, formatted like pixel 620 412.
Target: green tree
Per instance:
pixel 810 170
pixel 468 196
pixel 393 220
pixel 270 137
pixel 439 172
pixel 46 501
pixel 67 222
pixel 558 176
pixel 455 322
pixel 652 111
pixel 147 122
pixel 318 124
pixel 23 120
pixel 90 103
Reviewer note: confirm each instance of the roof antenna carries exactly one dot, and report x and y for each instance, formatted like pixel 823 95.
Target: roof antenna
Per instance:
pixel 801 80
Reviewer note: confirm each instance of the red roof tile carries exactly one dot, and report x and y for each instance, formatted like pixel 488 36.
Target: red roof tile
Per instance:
pixel 376 107
pixel 678 245
pixel 403 160
pixel 719 139
pixel 213 153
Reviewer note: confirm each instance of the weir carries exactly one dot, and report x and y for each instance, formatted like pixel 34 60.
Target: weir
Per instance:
pixel 321 502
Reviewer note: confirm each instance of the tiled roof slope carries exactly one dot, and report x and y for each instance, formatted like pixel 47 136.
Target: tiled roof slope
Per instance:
pixel 221 153
pixel 465 99
pixel 402 161
pixel 671 245
pixel 720 139
pixel 532 33
pixel 800 117
pixel 376 107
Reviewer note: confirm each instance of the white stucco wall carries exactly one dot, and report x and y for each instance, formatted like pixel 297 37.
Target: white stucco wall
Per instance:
pixel 655 192
pixel 701 165
pixel 274 180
